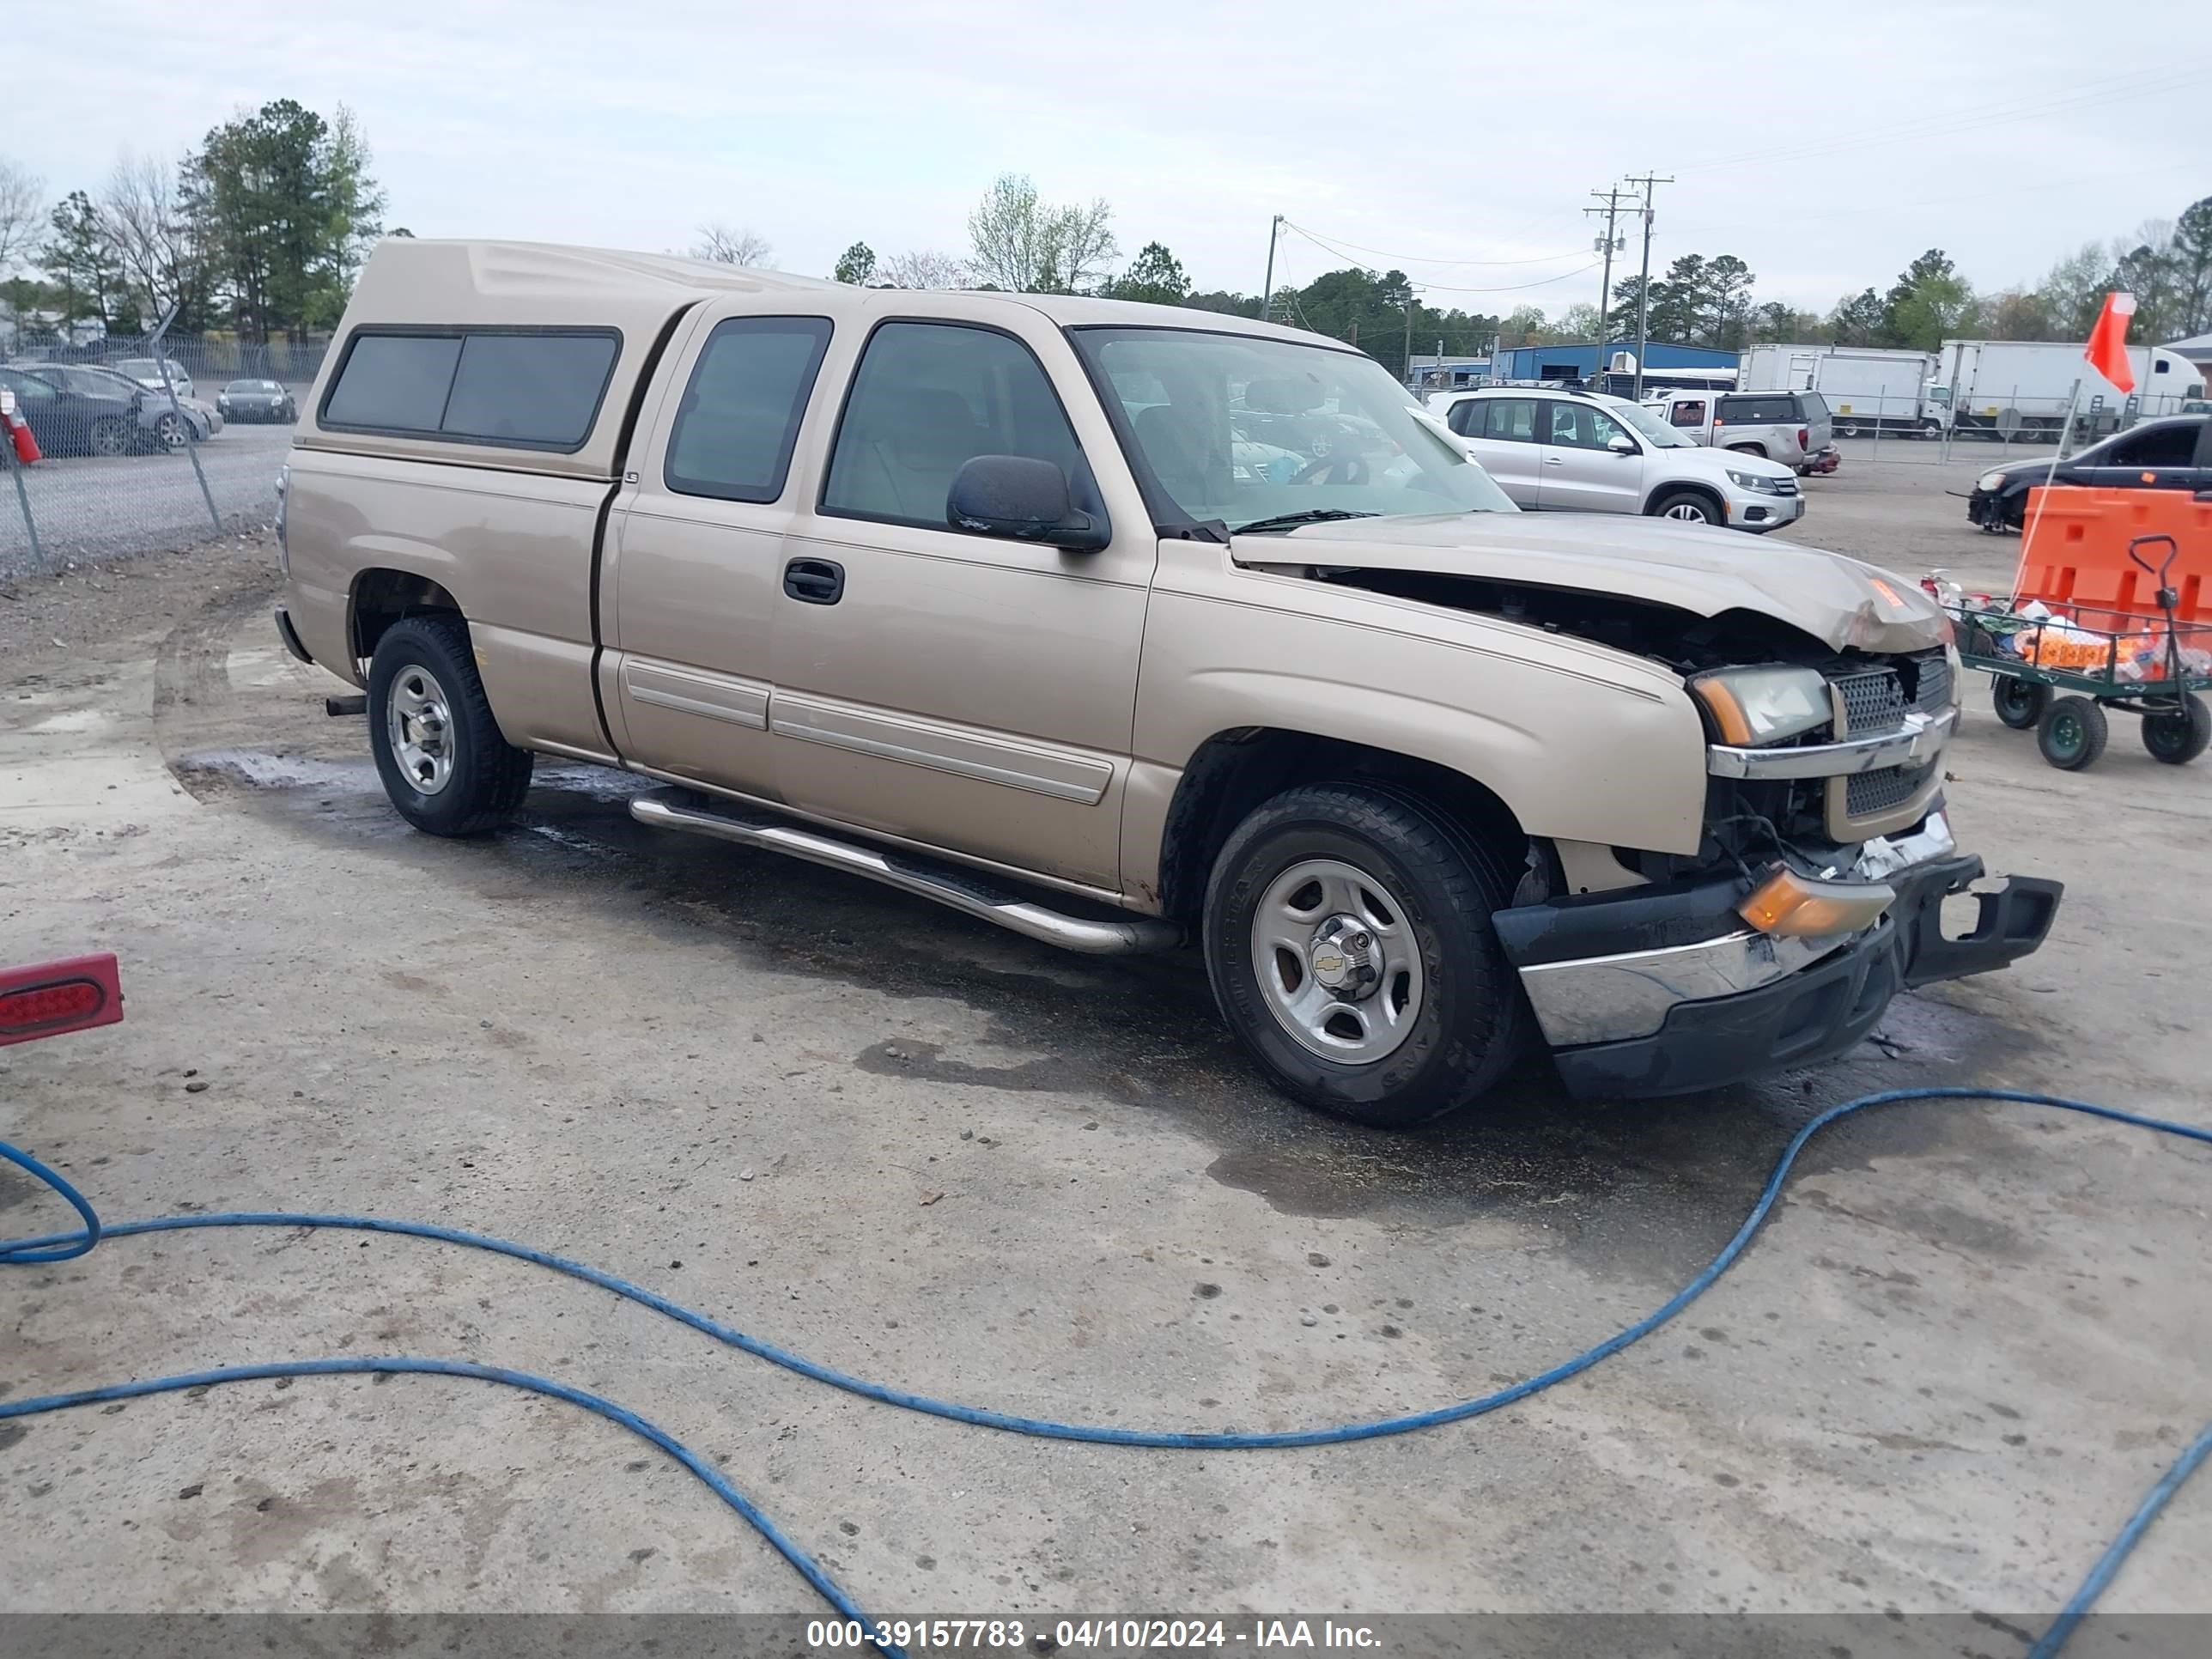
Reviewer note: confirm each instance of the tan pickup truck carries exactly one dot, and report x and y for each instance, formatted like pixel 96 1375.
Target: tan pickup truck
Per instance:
pixel 1123 626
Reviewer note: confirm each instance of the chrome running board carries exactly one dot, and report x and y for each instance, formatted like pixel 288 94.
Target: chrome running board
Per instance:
pixel 960 889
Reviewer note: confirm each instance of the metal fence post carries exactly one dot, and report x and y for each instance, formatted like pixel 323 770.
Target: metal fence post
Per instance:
pixel 192 438
pixel 23 495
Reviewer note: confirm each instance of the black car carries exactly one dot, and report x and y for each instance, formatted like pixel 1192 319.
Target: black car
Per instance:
pixel 256 400
pixel 73 419
pixel 2172 453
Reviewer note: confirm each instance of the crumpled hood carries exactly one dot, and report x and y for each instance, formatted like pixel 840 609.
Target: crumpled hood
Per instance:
pixel 1705 571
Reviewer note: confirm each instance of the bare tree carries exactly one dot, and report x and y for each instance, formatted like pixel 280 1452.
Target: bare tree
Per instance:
pixel 1026 244
pixel 726 246
pixel 922 268
pixel 159 245
pixel 22 215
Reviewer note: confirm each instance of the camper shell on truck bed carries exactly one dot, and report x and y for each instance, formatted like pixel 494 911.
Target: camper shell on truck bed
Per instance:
pixel 1119 625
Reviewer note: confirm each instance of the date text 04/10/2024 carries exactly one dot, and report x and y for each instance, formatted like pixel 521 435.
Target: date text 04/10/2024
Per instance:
pixel 1089 1635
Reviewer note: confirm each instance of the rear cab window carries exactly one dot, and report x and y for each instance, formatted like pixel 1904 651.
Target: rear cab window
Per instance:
pixel 517 388
pixel 1777 410
pixel 738 421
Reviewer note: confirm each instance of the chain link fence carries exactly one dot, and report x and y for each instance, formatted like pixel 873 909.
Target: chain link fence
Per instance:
pixel 114 450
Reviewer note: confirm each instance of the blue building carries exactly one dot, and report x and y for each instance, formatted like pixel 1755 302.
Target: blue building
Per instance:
pixel 1581 362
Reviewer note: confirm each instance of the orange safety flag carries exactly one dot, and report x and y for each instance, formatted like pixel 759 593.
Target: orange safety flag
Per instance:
pixel 2107 350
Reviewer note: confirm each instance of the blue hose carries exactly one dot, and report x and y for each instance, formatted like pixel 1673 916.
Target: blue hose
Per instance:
pixel 61 1246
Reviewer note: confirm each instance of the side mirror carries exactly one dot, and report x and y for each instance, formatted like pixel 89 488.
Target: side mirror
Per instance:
pixel 1024 499
pixel 1620 445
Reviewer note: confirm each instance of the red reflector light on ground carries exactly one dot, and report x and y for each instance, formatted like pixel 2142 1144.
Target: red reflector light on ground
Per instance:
pixel 54 997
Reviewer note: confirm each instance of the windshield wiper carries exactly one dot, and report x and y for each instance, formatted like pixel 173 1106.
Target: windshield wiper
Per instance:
pixel 1292 521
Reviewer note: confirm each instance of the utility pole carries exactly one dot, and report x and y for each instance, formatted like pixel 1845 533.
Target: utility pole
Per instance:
pixel 1409 340
pixel 1643 288
pixel 1611 244
pixel 1268 289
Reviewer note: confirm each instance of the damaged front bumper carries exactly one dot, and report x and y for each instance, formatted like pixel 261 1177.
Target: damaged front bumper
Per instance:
pixel 1666 990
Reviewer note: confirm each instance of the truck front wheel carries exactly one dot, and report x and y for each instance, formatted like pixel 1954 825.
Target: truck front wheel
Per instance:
pixel 444 762
pixel 1349 943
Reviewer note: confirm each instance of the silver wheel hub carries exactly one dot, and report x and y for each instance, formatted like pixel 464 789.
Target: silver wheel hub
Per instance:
pixel 1685 511
pixel 418 720
pixel 1337 961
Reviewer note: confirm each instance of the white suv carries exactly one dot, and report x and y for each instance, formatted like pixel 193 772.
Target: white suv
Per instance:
pixel 1583 451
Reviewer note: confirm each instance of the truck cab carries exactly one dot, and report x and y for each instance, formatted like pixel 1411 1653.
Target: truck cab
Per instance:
pixel 994 598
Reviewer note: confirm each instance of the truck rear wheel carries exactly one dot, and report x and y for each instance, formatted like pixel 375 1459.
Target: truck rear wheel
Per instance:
pixel 1348 941
pixel 445 764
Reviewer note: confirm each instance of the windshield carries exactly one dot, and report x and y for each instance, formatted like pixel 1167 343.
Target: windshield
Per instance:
pixel 1647 426
pixel 1244 431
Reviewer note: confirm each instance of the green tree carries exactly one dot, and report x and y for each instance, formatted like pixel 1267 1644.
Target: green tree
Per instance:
pixel 1681 300
pixel 1857 320
pixel 2019 314
pixel 81 265
pixel 856 264
pixel 1022 244
pixel 289 210
pixel 1222 300
pixel 1724 318
pixel 2192 262
pixel 2072 291
pixel 1155 277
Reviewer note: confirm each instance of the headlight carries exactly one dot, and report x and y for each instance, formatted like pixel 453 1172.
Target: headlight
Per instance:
pixel 1755 706
pixel 1990 482
pixel 1756 482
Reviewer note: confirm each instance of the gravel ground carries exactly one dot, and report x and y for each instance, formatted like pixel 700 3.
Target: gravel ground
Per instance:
pixel 928 1152
pixel 88 509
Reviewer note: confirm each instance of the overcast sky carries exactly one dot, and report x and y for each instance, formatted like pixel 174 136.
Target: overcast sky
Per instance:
pixel 1824 143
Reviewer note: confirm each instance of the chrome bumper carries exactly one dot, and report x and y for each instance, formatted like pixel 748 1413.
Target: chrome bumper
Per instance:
pixel 1612 999
pixel 1920 739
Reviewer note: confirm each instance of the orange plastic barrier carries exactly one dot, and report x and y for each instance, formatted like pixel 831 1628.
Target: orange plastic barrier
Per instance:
pixel 2075 554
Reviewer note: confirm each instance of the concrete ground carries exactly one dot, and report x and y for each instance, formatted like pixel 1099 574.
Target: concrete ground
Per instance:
pixel 932 1153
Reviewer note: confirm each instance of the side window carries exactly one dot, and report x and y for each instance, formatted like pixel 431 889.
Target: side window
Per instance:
pixel 536 390
pixel 1689 414
pixel 1579 426
pixel 30 389
pixel 529 389
pixel 1466 417
pixel 1758 412
pixel 2170 446
pixel 396 381
pixel 1512 420
pixel 926 399
pixel 739 419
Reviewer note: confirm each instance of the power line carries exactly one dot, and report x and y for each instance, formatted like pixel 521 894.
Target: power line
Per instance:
pixel 1446 287
pixel 1428 260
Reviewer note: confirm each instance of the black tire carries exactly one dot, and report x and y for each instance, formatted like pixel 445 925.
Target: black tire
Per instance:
pixel 1472 1020
pixel 2072 733
pixel 171 432
pixel 2179 736
pixel 2020 703
pixel 1759 450
pixel 1667 506
pixel 110 436
pixel 489 776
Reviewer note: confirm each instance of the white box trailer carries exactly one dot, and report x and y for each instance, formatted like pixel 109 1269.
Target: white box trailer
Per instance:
pixel 1868 388
pixel 2018 389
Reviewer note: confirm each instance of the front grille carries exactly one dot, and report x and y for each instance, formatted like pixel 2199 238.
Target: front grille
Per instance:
pixel 1931 688
pixel 1873 701
pixel 1870 793
pixel 1787 487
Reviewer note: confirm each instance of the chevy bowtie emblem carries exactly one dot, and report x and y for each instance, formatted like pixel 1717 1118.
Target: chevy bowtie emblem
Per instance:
pixel 1328 964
